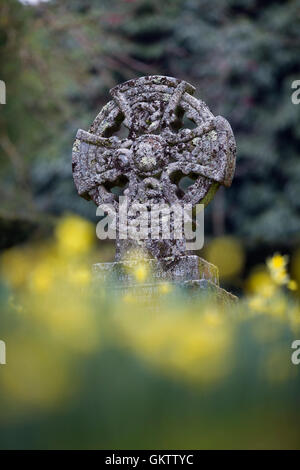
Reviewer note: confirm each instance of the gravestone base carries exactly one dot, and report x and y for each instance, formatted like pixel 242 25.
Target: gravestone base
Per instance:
pixel 208 288
pixel 190 272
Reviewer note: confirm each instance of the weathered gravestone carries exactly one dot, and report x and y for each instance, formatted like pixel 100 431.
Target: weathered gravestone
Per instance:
pixel 160 161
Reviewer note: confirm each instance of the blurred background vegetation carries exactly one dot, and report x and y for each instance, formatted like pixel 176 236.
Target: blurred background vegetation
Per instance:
pixel 89 371
pixel 60 58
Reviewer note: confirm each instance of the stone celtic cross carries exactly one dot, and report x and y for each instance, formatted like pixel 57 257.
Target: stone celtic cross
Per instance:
pixel 160 161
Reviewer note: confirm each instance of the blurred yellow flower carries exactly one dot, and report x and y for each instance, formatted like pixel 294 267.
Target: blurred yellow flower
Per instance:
pixel 277 262
pixel 212 317
pixel 192 345
pixel 192 341
pixel 276 306
pixel 140 272
pixel 164 288
pixel 292 285
pixel 42 277
pixel 74 235
pixel 227 254
pixel 257 303
pixel 277 268
pixel 280 276
pixel 260 282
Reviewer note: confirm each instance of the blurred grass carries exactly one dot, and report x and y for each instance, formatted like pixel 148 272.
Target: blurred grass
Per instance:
pixel 89 369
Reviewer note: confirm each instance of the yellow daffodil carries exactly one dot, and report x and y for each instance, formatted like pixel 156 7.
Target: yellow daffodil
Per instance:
pixel 165 288
pixel 292 285
pixel 140 272
pixel 74 235
pixel 277 262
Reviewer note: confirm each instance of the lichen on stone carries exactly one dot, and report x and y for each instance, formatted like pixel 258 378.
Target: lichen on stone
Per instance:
pixel 157 148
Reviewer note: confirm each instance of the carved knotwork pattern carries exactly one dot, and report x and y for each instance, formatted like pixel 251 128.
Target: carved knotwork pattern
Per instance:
pixel 159 160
